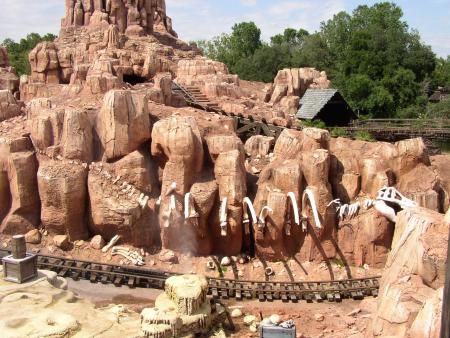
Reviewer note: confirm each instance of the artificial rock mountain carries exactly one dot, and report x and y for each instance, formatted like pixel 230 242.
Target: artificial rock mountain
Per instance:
pixel 98 144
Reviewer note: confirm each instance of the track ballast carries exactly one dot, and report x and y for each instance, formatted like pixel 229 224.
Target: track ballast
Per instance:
pixel 219 288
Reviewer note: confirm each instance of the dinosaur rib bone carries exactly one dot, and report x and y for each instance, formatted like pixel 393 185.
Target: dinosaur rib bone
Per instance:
pixel 223 217
pixel 308 194
pixel 266 211
pixel 111 243
pixel 189 208
pixel 248 205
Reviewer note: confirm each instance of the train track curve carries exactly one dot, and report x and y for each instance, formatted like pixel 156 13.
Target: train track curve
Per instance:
pixel 309 291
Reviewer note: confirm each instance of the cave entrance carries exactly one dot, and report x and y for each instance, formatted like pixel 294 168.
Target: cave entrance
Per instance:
pixel 134 79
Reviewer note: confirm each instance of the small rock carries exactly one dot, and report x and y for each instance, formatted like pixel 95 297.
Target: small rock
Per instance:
pixel 79 243
pixel 249 320
pixel 97 242
pixel 240 273
pixel 253 328
pixel 61 241
pixel 211 265
pixel 354 312
pixel 319 317
pixel 236 313
pixel 168 256
pixel 275 319
pixel 33 236
pixel 226 261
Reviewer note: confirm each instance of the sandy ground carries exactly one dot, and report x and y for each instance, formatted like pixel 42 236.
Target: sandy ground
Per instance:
pixel 312 319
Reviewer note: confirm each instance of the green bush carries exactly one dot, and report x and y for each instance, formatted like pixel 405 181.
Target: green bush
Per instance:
pixel 338 132
pixel 314 124
pixel 364 136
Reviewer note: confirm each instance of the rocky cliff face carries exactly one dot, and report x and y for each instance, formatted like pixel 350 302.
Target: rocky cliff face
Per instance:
pixel 102 151
pixel 8 77
pixel 412 285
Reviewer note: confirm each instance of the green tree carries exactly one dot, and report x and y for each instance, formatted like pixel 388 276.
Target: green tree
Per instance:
pixel 18 51
pixel 371 55
pixel 441 75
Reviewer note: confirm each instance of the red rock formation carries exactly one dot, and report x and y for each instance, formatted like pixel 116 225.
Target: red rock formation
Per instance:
pixel 123 123
pixel 8 105
pixel 291 84
pixel 128 15
pixel 414 276
pixel 18 186
pixel 8 76
pixel 212 77
pixel 63 194
pixel 177 147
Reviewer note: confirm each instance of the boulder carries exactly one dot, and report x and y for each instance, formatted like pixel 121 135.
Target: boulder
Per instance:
pixel 280 238
pixel 295 82
pixel 441 165
pixel 259 145
pixel 19 189
pixel 414 275
pixel 33 237
pixel 63 194
pixel 177 147
pixel 112 212
pixel 97 242
pixel 44 63
pixel 8 105
pixel 366 239
pixel 8 77
pixel 102 75
pixel 77 136
pixel 123 123
pixel 61 241
pixel 229 171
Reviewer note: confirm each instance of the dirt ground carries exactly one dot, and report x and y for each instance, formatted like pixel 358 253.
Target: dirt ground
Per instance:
pixel 338 320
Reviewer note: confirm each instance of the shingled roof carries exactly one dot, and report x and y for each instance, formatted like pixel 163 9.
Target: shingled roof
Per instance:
pixel 314 101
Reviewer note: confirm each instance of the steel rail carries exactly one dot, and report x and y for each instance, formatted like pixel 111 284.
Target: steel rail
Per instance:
pixel 219 288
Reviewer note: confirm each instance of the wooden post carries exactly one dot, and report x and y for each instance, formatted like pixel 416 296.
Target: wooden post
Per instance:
pixel 445 323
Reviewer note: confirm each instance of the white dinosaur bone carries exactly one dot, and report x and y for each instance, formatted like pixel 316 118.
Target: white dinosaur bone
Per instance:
pixel 385 210
pixel 224 217
pixel 132 256
pixel 111 243
pixel 368 203
pixel 342 212
pixel 117 179
pixel 189 208
pixel 266 211
pixel 390 194
pixel 143 200
pixel 308 194
pixel 248 205
pixel 336 201
pixel 172 188
pixel 173 203
pixel 295 208
pixel 133 190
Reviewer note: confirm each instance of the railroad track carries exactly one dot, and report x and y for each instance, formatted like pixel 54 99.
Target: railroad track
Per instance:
pixel 309 291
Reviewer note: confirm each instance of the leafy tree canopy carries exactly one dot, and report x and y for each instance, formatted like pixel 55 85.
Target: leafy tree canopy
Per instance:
pixel 381 66
pixel 18 51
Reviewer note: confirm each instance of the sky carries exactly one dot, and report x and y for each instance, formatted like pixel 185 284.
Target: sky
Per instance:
pixel 203 19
